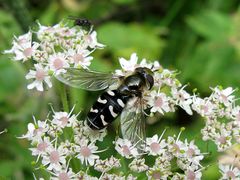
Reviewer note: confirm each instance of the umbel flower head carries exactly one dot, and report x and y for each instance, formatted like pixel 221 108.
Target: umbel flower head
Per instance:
pixel 57 153
pixel 60 141
pixel 54 49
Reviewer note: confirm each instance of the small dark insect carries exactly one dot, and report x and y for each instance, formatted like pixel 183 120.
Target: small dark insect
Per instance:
pixel 81 22
pixel 125 99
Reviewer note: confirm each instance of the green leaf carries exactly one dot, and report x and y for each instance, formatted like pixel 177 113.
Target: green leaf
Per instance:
pixel 211 24
pixel 11 78
pixel 7 168
pixel 210 65
pixel 124 39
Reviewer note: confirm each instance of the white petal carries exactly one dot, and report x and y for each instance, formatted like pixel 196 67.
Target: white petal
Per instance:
pixel 39 86
pixel 31 127
pixel 32 85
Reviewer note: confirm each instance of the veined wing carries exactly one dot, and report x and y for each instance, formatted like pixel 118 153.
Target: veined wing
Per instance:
pixel 88 80
pixel 133 122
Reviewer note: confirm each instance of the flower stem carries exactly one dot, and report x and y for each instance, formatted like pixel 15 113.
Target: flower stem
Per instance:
pixel 124 165
pixel 64 100
pixel 63 95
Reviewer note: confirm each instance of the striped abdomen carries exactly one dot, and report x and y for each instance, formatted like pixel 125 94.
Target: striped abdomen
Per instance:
pixel 107 107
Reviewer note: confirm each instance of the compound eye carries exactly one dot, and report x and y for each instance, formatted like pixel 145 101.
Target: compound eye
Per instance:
pixel 150 81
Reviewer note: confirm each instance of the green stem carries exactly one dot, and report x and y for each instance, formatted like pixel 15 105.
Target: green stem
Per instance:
pixel 124 165
pixel 63 95
pixel 66 134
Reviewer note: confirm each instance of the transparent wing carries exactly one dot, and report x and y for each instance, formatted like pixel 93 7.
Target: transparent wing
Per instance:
pixel 133 122
pixel 89 80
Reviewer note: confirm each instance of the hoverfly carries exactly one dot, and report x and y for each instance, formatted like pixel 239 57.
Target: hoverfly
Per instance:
pixel 126 99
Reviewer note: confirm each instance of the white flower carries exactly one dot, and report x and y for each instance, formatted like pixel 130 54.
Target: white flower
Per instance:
pixel 36 130
pixel 224 96
pixel 193 175
pixel 42 146
pixel 64 119
pixel 31 132
pixel 23 47
pixel 127 65
pixel 65 174
pixel 91 40
pixel 183 99
pixel 158 102
pixel 189 157
pixel 125 148
pixel 153 66
pixel 168 77
pixel 55 159
pixel 40 75
pixel 177 147
pixel 58 62
pixel 229 172
pixel 86 152
pixel 80 57
pixel 223 139
pixel 67 32
pixel 45 32
pixel 193 153
pixel 155 146
pixel 203 106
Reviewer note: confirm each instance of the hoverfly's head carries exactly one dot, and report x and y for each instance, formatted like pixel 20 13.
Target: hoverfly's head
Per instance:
pixel 147 74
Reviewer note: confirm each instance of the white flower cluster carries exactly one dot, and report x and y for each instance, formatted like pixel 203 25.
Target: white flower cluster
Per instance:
pixel 166 94
pixel 58 140
pixel 222 117
pixel 186 155
pixel 52 49
pixel 61 139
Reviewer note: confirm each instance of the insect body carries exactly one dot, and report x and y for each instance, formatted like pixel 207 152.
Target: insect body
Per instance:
pixel 112 103
pixel 107 107
pixel 80 22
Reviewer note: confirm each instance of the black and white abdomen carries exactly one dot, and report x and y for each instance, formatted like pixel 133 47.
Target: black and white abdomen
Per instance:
pixel 106 109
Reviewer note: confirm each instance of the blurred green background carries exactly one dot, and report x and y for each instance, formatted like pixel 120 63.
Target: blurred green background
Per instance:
pixel 200 39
